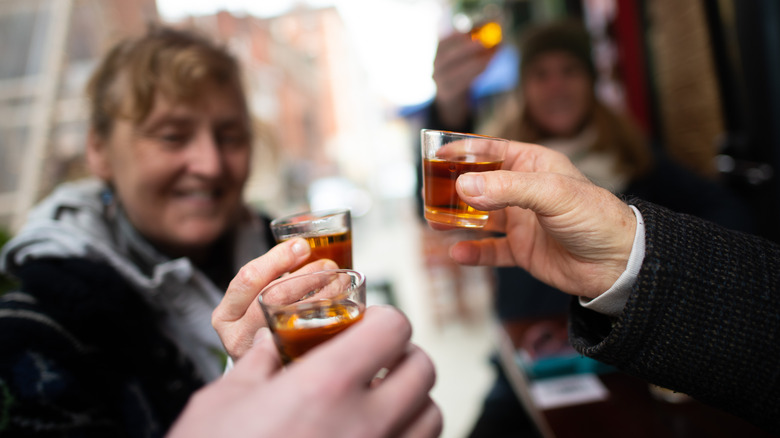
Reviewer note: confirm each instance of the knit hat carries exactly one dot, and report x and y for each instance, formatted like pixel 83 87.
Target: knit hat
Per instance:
pixel 568 35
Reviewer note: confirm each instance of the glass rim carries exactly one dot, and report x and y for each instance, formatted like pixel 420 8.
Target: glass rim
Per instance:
pixel 461 134
pixel 315 216
pixel 359 275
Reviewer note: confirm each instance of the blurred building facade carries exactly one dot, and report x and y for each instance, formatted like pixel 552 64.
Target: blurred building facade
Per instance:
pixel 48 49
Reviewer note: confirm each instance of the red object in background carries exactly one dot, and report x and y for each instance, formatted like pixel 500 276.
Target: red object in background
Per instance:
pixel 631 61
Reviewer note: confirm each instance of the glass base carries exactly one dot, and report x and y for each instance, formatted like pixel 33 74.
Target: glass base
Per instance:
pixel 456 220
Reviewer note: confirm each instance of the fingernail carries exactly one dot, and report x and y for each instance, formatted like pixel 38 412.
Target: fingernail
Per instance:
pixel 261 335
pixel 300 247
pixel 472 184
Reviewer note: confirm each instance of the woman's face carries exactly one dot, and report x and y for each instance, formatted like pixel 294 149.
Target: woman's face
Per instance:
pixel 558 92
pixel 180 173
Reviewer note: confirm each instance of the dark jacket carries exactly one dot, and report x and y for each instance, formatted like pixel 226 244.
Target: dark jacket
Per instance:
pixel 702 319
pixel 82 356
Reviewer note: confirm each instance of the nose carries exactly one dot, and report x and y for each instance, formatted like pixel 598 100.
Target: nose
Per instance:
pixel 204 158
pixel 556 81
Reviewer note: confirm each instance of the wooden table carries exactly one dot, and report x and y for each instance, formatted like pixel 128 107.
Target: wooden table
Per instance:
pixel 630 410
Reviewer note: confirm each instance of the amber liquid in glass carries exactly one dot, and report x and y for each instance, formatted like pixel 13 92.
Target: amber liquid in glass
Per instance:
pixel 442 203
pixel 489 34
pixel 302 327
pixel 336 247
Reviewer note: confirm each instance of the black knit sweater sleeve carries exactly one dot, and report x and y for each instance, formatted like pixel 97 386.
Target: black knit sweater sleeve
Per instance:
pixel 703 317
pixel 83 356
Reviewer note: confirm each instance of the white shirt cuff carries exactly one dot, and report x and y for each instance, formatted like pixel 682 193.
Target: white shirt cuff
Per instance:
pixel 612 301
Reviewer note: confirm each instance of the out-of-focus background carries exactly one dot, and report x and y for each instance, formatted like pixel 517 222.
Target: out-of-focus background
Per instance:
pixel 338 89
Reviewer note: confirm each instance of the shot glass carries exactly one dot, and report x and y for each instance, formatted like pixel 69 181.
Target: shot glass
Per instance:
pixel 306 310
pixel 328 232
pixel 482 23
pixel 489 34
pixel 446 155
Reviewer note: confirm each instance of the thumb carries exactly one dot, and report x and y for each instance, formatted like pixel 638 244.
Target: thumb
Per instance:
pixel 544 193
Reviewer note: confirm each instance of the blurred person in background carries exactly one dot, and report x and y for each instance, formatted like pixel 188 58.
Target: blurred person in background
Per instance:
pixel 555 105
pixel 108 331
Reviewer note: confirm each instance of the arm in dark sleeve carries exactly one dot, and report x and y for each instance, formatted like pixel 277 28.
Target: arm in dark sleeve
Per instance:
pixel 703 317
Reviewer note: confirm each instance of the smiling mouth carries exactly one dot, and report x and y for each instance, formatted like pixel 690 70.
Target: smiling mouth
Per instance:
pixel 559 104
pixel 209 195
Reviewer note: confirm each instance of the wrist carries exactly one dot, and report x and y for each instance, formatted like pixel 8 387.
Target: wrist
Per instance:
pixel 612 301
pixel 624 232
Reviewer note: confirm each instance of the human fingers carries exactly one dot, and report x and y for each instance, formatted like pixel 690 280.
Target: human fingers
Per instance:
pixel 496 222
pixel 381 337
pixel 454 80
pixel 259 363
pixel 579 235
pixel 538 161
pixel 299 287
pixel 585 218
pixel 588 221
pixel 255 275
pixel 528 157
pixel 403 393
pixel 483 252
pixel 454 48
pixel 315 266
pixel 228 404
pixel 236 335
pixel 237 317
pixel 546 194
pixel 457 63
pixel 428 423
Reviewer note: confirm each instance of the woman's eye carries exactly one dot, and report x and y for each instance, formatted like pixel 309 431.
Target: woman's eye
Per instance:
pixel 173 137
